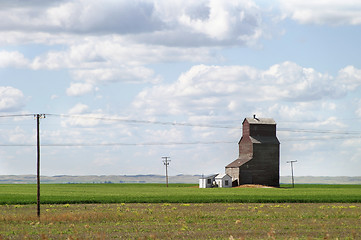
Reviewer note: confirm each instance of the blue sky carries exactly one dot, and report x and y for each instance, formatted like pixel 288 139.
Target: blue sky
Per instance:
pixel 124 83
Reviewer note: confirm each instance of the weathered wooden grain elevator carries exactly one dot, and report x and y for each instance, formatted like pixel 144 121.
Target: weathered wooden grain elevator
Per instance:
pixel 258 161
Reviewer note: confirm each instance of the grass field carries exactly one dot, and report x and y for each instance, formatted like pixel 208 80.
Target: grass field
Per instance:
pixel 182 211
pixel 175 193
pixel 183 221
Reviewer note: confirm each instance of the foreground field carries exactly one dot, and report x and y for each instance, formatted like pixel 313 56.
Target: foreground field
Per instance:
pixel 176 193
pixel 183 221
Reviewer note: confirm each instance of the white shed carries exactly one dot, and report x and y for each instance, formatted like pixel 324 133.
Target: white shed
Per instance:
pixel 207 181
pixel 223 180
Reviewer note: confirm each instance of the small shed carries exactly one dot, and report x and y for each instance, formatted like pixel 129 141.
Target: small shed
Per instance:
pixel 223 180
pixel 207 181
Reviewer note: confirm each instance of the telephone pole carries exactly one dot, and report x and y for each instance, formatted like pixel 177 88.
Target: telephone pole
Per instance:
pixel 293 181
pixel 166 163
pixel 38 116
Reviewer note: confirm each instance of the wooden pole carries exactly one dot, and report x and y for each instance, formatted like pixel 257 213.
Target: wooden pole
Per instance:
pixel 293 181
pixel 38 163
pixel 166 163
pixel 38 116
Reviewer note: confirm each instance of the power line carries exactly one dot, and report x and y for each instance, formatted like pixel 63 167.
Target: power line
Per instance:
pixel 134 121
pixel 170 143
pixel 201 125
pixel 167 143
pixel 319 138
pixel 115 144
pixel 143 121
pixel 319 131
pixel 17 115
pixel 327 133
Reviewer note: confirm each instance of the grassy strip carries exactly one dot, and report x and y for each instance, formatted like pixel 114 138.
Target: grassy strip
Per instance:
pixel 183 221
pixel 175 193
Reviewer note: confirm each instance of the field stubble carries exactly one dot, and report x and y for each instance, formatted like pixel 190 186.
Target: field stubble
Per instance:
pixel 183 221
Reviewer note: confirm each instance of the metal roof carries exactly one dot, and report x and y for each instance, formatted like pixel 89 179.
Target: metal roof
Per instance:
pixel 222 175
pixel 269 121
pixel 264 139
pixel 239 161
pixel 209 176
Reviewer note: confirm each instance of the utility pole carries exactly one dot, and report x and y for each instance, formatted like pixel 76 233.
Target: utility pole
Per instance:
pixel 38 116
pixel 166 163
pixel 293 181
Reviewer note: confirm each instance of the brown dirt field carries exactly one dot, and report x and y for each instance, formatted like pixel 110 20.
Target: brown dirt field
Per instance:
pixel 245 186
pixel 253 186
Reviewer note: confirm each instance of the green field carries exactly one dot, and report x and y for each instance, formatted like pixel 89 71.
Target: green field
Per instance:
pixel 176 193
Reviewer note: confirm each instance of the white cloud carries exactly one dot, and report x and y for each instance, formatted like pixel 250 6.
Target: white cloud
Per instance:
pixel 19 136
pixel 130 74
pixel 358 111
pixel 79 108
pixel 331 12
pixel 52 60
pixel 304 146
pixel 100 60
pixel 54 96
pixel 112 41
pixel 171 135
pixel 223 20
pixel 209 90
pixel 12 59
pixel 207 22
pixel 78 89
pixel 350 77
pixel 85 120
pixel 115 52
pixel 106 16
pixel 11 99
pixel 331 121
pixel 160 22
pixel 295 83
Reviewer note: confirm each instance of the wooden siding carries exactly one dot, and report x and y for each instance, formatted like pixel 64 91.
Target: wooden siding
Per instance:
pixel 258 161
pixel 245 146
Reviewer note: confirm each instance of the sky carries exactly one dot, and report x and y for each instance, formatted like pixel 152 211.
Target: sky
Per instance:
pixel 124 83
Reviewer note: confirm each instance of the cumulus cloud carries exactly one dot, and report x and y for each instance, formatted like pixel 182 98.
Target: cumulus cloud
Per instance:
pixel 12 59
pixel 350 77
pixel 78 89
pixel 106 16
pixel 213 22
pixel 331 12
pixel 111 51
pixel 130 75
pixel 113 41
pixel 87 119
pixel 101 60
pixel 175 23
pixel 79 108
pixel 222 90
pixel 91 121
pixel 11 99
